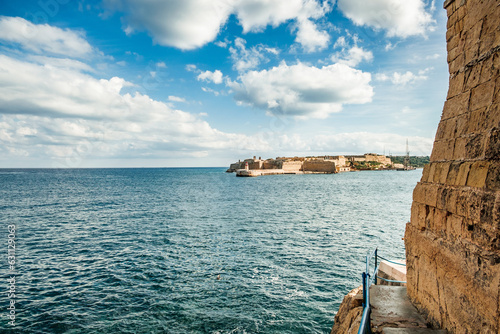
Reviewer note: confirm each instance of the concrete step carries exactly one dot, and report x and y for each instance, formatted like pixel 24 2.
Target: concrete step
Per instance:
pixel 392 312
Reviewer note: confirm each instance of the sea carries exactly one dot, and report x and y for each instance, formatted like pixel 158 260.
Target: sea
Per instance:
pixel 190 250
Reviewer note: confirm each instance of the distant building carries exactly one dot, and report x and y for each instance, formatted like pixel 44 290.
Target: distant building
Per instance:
pixel 370 157
pixel 327 164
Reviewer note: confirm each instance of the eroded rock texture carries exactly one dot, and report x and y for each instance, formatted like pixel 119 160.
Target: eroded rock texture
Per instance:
pixel 348 317
pixel 453 239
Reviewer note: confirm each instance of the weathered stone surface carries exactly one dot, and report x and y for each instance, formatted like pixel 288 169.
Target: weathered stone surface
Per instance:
pixel 443 150
pixel 348 317
pixel 426 193
pixel 454 225
pixel 477 174
pixel 492 118
pixel 482 95
pixel 451 282
pixel 456 87
pixel 474 147
pixel 463 174
pixel 472 77
pixel 477 120
pixel 425 173
pixel 492 149
pixel 453 172
pixel 462 122
pixel 460 149
pixel 493 178
pixel 496 94
pixel 453 239
pixel 391 308
pixel 457 64
pixel 446 129
pixel 456 105
pixel 441 172
pixel 439 223
pixel 472 41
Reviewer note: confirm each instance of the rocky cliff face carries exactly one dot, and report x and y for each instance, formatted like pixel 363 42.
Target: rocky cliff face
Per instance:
pixel 348 318
pixel 453 239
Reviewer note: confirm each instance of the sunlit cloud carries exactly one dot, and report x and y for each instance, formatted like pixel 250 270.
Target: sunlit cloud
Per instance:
pixel 303 91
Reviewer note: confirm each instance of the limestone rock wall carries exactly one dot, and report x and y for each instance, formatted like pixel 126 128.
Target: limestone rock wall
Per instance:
pixel 453 238
pixel 348 318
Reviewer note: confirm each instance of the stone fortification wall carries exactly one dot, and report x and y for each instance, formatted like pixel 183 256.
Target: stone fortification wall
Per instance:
pixel 254 164
pixel 378 158
pixel 319 166
pixel 369 157
pixel 356 158
pixel 340 160
pixel 236 165
pixel 453 239
pixel 272 164
pixel 291 158
pixel 291 166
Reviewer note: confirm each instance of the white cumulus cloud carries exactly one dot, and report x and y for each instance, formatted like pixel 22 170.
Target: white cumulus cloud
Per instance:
pixel 190 24
pixel 215 76
pixel 255 15
pixel 303 91
pixel 43 38
pixel 352 56
pixel 398 18
pixel 50 111
pixel 403 79
pixel 310 37
pixel 187 24
pixel 246 59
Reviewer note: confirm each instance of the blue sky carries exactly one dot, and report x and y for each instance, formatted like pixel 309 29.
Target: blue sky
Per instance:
pixel 138 83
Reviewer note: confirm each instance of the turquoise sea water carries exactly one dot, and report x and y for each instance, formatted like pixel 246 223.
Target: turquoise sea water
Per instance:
pixel 141 250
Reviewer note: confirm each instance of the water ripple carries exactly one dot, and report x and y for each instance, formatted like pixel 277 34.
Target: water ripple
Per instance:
pixel 194 250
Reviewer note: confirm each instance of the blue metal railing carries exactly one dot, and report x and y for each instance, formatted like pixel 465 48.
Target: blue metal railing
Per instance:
pixel 368 280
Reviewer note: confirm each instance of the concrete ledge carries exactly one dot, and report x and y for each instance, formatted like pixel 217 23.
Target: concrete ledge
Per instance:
pixel 259 172
pixel 392 308
pixel 393 272
pixel 393 313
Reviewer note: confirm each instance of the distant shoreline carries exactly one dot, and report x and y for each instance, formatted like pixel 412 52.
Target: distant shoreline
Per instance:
pixel 327 164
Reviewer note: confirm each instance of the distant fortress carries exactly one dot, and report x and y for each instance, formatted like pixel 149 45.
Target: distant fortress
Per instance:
pixel 317 164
